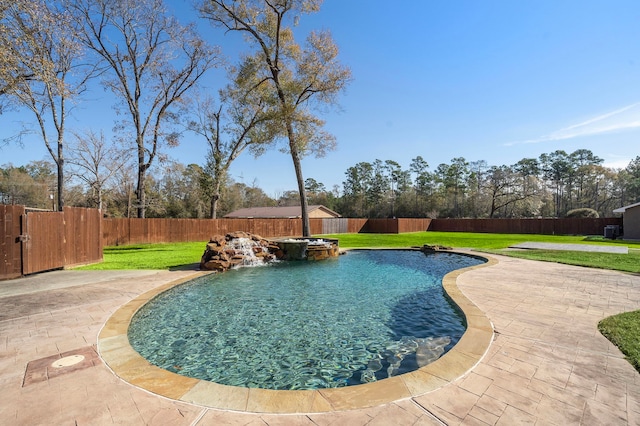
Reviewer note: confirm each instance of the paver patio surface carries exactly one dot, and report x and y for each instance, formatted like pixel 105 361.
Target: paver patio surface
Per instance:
pixel 547 365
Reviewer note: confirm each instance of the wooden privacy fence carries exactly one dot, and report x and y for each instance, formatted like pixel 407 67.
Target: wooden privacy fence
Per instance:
pixel 567 226
pixel 35 241
pixel 394 226
pixel 123 231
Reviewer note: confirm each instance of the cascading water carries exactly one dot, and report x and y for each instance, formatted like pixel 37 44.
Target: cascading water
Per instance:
pixel 247 248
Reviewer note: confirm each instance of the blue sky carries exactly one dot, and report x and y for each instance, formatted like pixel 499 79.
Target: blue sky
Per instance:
pixel 485 80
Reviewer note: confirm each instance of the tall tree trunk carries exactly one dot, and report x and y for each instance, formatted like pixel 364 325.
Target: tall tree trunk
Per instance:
pixel 295 156
pixel 140 194
pixel 128 200
pixel 214 205
pixel 306 228
pixel 140 188
pixel 60 164
pixel 493 206
pixel 217 173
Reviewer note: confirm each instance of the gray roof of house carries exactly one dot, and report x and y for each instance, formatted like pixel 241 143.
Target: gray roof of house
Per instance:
pixel 276 212
pixel 622 209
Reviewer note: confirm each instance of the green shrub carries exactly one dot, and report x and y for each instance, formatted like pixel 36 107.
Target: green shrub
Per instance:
pixel 584 212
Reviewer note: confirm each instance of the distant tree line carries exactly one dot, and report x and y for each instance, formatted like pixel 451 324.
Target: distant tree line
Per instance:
pixel 551 185
pixel 548 186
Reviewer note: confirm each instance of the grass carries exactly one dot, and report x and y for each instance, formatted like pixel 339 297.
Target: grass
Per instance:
pixel 619 262
pixel 150 256
pixel 180 255
pixel 458 240
pixel 623 331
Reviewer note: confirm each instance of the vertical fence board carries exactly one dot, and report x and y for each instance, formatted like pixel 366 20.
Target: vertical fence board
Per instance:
pixel 339 225
pixel 381 226
pixel 44 248
pixel 83 235
pixel 356 226
pixel 413 225
pixel 10 246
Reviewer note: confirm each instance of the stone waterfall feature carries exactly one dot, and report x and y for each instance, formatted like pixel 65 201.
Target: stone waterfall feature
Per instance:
pixel 237 249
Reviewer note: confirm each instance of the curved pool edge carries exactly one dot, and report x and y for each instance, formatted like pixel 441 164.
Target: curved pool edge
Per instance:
pixel 118 355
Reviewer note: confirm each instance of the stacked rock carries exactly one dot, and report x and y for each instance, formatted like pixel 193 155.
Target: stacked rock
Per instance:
pixel 238 249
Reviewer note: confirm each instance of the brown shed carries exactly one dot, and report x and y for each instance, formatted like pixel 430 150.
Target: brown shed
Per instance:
pixel 630 221
pixel 289 212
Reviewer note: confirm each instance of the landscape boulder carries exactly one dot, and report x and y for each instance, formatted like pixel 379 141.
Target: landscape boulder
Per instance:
pixel 237 249
pixel 436 247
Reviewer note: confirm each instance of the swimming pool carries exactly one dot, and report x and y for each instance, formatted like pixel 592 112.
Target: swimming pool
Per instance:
pixel 306 325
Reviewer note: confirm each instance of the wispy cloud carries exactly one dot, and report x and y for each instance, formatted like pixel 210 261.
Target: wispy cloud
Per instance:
pixel 624 118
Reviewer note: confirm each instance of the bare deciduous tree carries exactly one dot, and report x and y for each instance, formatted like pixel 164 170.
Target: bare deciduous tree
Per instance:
pixel 18 40
pixel 95 162
pixel 242 121
pixel 292 79
pixel 42 72
pixel 151 62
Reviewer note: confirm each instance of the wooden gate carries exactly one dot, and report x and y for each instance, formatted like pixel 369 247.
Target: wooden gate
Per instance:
pixel 43 241
pixel 10 245
pixel 34 241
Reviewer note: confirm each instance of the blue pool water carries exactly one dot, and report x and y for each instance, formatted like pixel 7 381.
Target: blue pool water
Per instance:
pixel 306 325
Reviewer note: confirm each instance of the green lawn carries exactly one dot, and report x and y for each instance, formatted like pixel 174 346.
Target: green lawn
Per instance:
pixel 619 262
pixel 177 255
pixel 623 330
pixel 460 240
pixel 150 256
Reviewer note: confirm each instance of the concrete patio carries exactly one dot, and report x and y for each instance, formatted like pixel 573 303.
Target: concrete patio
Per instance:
pixel 547 364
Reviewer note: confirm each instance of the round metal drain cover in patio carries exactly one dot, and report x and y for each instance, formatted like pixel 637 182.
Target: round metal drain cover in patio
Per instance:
pixel 68 361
